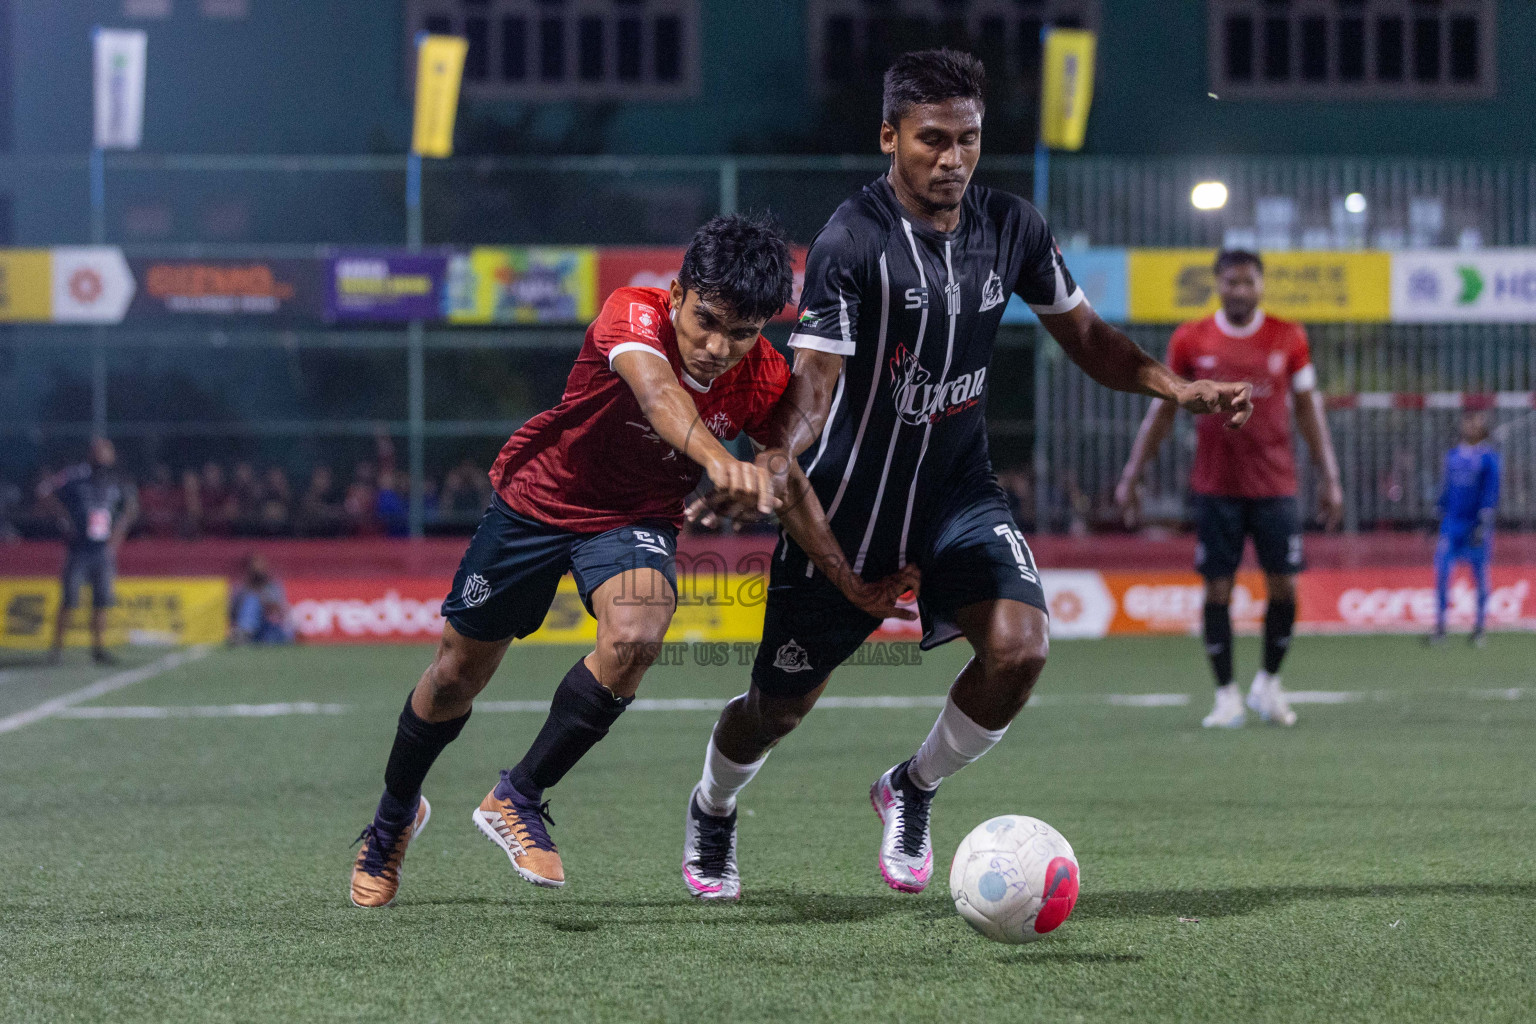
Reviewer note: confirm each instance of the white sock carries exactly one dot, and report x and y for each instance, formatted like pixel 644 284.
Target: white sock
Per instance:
pixel 723 779
pixel 954 742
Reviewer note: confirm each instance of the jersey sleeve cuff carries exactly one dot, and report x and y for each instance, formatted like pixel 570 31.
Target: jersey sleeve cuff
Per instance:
pixel 834 346
pixel 632 346
pixel 1304 379
pixel 1066 305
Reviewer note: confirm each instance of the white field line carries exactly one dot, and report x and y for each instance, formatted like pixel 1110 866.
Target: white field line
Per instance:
pixel 710 704
pixel 101 687
pixel 209 711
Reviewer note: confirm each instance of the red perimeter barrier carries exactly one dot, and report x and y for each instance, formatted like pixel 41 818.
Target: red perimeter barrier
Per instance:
pixel 381 558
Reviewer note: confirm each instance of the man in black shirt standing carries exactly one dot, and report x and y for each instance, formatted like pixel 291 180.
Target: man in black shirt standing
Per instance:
pixel 98 509
pixel 904 290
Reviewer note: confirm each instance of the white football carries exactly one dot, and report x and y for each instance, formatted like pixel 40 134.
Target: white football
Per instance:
pixel 1014 879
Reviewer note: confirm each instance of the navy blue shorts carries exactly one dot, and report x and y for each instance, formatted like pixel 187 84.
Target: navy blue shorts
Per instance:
pixel 507 578
pixel 92 564
pixel 809 627
pixel 1222 524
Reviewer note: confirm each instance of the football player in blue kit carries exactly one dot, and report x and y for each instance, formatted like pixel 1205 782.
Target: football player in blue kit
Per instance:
pixel 1468 503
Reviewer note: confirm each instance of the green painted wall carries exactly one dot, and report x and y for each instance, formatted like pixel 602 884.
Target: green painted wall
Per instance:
pixel 1151 98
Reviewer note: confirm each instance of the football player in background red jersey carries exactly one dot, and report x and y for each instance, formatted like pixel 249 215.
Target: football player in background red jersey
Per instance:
pixel 596 486
pixel 1244 482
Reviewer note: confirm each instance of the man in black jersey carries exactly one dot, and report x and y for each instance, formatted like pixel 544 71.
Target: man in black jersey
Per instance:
pixel 904 290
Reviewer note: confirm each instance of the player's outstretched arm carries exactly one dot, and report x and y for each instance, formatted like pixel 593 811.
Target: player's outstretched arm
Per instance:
pixel 1117 362
pixel 1154 429
pixel 806 523
pixel 675 419
pixel 1313 426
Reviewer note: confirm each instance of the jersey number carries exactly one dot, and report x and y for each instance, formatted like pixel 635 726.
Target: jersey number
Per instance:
pixel 1021 554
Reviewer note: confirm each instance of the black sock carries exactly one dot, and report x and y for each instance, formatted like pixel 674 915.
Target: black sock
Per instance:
pixel 1279 617
pixel 417 744
pixel 1218 640
pixel 579 715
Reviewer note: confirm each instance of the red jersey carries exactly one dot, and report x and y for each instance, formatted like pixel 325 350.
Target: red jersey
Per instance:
pixel 593 462
pixel 1272 355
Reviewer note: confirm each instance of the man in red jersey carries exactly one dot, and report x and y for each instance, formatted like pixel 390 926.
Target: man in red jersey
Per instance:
pixel 1244 482
pixel 596 486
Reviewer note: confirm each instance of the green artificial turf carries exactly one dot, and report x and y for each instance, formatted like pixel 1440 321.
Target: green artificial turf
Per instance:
pixel 1374 863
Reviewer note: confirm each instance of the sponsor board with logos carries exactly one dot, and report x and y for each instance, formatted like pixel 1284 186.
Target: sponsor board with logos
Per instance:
pixel 384 287
pixel 656 267
pixel 522 285
pixel 1174 285
pixel 1084 603
pixel 285 290
pixel 149 610
pixel 1478 286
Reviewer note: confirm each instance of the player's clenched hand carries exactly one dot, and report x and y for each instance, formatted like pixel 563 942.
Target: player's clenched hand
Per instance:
pixel 1235 400
pixel 880 598
pixel 742 483
pixel 1330 504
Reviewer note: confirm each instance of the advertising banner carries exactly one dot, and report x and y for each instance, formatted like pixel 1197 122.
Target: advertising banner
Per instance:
pixel 1066 87
pixel 386 287
pixel 535 285
pixel 656 267
pixel 439 70
pixel 120 58
pixel 1101 273
pixel 1449 286
pixel 91 284
pixel 285 290
pixel 26 286
pixel 1173 285
pixel 149 610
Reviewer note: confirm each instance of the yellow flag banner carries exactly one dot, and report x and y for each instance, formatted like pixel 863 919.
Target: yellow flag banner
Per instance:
pixel 1173 285
pixel 439 69
pixel 1066 91
pixel 149 610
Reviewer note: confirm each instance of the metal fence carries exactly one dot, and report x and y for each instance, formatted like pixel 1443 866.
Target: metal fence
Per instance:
pixel 451 393
pixel 1390 458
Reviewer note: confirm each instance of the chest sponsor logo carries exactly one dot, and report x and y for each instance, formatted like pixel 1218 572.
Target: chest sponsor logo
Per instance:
pixel 1205 362
pixel 916 298
pixel 919 402
pixel 1277 363
pixel 952 298
pixel 992 294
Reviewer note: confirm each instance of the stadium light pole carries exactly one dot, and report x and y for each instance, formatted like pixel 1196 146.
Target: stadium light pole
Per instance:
pixel 415 361
pixel 1042 203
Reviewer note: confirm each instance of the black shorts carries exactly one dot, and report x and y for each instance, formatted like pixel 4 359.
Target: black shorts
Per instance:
pixel 508 576
pixel 1222 523
pixel 92 564
pixel 809 627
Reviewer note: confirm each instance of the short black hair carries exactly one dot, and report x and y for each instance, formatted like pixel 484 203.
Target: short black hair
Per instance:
pixel 931 76
pixel 742 263
pixel 1238 258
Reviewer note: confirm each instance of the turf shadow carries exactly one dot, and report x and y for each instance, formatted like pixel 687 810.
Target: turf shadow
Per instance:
pixel 1211 903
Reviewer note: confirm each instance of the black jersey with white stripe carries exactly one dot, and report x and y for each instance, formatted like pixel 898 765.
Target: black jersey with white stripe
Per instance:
pixel 914 312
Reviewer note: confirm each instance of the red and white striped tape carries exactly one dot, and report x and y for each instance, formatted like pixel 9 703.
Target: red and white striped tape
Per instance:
pixel 1434 400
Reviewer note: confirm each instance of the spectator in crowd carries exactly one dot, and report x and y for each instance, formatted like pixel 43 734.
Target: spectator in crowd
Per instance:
pixel 392 505
pixel 462 499
pixel 362 499
pixel 216 502
pixel 246 495
pixel 162 505
pixel 320 512
pixel 96 509
pixel 276 511
pixel 10 511
pixel 258 611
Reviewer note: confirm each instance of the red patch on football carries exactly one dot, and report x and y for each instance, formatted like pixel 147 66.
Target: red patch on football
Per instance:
pixel 1060 894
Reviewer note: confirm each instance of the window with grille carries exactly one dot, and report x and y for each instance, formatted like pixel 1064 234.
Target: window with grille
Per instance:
pixel 1341 49
pixel 569 49
pixel 854 40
